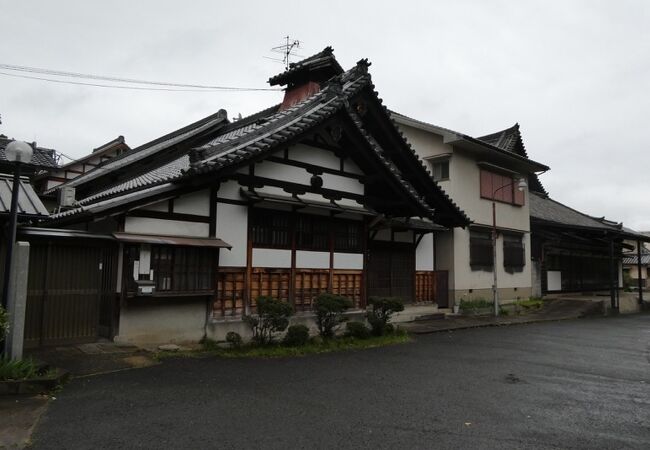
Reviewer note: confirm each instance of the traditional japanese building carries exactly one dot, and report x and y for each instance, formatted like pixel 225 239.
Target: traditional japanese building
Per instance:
pixel 319 193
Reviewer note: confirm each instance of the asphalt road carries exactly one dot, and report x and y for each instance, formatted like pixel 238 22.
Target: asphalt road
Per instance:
pixel 572 384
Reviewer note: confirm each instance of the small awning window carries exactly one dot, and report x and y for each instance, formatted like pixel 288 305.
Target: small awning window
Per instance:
pixel 171 240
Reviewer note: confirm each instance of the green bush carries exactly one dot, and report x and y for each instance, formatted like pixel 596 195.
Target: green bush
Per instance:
pixel 4 323
pixel 272 317
pixel 297 336
pixel 18 369
pixel 234 339
pixel 357 330
pixel 329 310
pixel 382 310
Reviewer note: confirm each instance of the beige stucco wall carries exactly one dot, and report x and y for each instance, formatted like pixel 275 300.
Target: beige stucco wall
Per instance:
pixel 452 249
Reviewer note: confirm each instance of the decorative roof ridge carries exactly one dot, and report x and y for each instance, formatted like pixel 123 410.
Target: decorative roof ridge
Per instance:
pixel 326 57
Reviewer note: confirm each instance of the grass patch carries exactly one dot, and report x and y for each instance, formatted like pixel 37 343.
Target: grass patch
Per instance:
pixel 531 303
pixel 468 305
pixel 314 346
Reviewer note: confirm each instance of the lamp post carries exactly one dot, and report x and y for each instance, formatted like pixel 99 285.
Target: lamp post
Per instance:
pixel 521 185
pixel 17 153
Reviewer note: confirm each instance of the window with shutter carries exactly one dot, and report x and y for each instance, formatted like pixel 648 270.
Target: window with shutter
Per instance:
pixel 480 250
pixel 513 252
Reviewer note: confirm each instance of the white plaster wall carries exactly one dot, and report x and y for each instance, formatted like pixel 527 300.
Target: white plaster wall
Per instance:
pixel 167 321
pixel 445 255
pixel 351 261
pixel 312 260
pixel 316 156
pixel 424 253
pixel 159 206
pixel 232 227
pixel 284 172
pixel 229 190
pixel 340 183
pixel 269 257
pixel 197 203
pixel 147 225
pixel 351 166
pixel 466 278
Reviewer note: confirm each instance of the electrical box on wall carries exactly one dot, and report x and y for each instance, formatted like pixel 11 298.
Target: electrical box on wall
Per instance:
pixel 145 287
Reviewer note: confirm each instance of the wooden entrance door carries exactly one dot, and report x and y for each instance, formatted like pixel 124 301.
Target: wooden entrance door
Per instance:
pixel 68 288
pixel 391 270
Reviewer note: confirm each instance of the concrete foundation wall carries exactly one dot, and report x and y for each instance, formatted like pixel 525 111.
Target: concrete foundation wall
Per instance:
pixel 167 321
pixel 506 295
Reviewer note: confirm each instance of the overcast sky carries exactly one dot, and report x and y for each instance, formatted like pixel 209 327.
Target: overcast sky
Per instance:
pixel 574 74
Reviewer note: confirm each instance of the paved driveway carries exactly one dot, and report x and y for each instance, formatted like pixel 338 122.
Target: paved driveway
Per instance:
pixel 572 384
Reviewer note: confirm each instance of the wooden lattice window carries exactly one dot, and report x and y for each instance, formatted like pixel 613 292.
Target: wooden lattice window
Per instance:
pixel 348 236
pixel 271 229
pixel 183 269
pixel 312 232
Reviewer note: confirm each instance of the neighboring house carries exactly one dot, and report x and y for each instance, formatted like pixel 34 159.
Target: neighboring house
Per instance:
pixel 475 172
pixel 632 270
pixel 320 193
pixel 46 182
pixel 29 206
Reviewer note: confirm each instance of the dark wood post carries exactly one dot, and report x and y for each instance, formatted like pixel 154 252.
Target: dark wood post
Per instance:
pixel 612 288
pixel 638 269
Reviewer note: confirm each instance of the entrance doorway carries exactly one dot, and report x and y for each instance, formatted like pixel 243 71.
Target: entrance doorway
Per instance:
pixel 391 270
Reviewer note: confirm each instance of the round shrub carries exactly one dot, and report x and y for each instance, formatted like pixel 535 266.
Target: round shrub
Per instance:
pixel 297 336
pixel 357 330
pixel 329 310
pixel 234 339
pixel 382 310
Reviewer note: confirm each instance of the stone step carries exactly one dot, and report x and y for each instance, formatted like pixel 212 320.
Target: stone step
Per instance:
pixel 434 316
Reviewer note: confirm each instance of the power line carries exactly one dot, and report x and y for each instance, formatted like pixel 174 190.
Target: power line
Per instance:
pixel 170 86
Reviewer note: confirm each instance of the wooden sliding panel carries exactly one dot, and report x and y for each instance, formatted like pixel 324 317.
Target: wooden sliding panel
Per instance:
pixel 269 282
pixel 349 283
pixel 309 283
pixel 230 296
pixel 425 286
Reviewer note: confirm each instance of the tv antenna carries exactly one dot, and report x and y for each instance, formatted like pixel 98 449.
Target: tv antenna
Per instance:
pixel 287 51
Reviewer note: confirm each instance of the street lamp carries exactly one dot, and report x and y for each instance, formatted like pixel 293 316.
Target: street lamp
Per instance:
pixel 521 185
pixel 17 153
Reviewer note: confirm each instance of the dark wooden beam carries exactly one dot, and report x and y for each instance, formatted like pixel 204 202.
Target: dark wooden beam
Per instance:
pixel 169 216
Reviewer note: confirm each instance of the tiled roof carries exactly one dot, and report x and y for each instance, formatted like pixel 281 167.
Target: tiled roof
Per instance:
pixel 28 202
pixel 255 139
pixel 163 174
pixel 252 137
pixel 548 210
pixel 510 140
pixel 42 157
pixel 323 60
pixel 632 258
pixel 150 149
